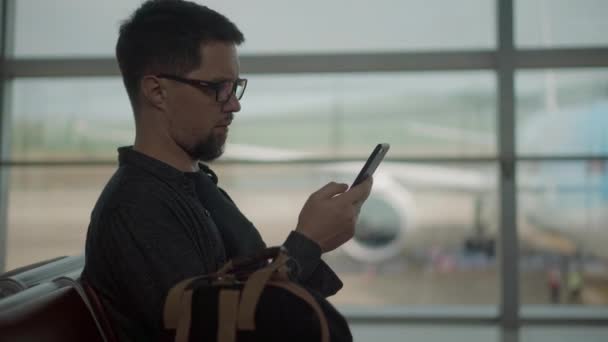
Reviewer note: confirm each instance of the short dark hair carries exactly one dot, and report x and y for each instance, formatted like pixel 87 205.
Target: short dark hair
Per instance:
pixel 165 36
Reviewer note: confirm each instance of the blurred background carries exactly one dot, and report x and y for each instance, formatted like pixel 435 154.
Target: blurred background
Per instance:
pixel 489 217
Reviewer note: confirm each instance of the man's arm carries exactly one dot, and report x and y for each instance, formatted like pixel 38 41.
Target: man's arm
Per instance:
pixel 326 221
pixel 330 214
pixel 133 260
pixel 311 270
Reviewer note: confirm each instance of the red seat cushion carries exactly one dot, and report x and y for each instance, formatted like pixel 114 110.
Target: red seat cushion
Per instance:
pixel 60 315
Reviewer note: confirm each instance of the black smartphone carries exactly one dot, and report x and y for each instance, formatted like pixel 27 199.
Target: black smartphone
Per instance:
pixel 372 163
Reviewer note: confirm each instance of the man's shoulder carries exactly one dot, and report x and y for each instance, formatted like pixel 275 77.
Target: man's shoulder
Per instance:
pixel 130 185
pixel 133 192
pixel 133 202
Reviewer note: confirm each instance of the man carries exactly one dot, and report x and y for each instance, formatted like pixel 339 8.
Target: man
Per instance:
pixel 161 217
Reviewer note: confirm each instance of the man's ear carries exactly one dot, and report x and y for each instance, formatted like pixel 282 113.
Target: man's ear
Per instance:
pixel 153 91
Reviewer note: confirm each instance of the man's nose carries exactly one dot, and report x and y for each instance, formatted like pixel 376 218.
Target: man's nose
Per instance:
pixel 233 104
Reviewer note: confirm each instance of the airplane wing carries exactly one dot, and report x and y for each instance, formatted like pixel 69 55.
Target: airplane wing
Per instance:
pixel 413 176
pixel 248 153
pixel 425 177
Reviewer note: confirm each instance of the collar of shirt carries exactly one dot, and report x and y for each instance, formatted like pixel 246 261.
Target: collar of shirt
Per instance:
pixel 128 156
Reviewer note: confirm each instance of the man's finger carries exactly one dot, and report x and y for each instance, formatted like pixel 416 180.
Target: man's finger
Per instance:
pixel 330 190
pixel 359 192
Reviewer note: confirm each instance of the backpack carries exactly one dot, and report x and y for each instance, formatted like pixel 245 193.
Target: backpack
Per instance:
pixel 251 299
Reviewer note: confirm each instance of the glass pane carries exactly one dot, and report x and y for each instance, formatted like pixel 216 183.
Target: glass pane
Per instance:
pixel 563 234
pixel 563 334
pixel 70 118
pixel 562 112
pixel 90 28
pixel 399 332
pixel 403 252
pixel 361 25
pixel 49 210
pixel 560 23
pixel 430 114
pixel 75 28
pixel 405 255
pixel 419 114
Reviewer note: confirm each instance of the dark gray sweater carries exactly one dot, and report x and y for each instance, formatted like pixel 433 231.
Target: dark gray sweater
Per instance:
pixel 154 225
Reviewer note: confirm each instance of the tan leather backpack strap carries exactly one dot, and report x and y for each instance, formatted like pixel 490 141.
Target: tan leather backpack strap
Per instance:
pixel 253 290
pixel 182 333
pixel 307 297
pixel 173 303
pixel 228 307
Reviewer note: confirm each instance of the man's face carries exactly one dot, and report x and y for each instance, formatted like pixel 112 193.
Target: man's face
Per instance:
pixel 198 123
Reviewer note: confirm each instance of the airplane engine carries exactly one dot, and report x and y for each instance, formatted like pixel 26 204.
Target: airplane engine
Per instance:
pixel 385 219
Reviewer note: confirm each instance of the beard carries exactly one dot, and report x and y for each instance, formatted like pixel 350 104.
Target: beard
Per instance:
pixel 209 149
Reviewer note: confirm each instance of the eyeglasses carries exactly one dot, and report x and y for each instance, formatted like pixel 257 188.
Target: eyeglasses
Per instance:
pixel 223 90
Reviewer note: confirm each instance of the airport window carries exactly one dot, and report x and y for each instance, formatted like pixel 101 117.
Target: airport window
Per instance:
pixel 560 23
pixel 562 136
pixel 563 112
pixel 434 254
pixel 76 28
pixel 71 119
pixel 444 114
pixel 402 253
pixel 397 25
pixel 431 333
pixel 430 114
pixel 562 229
pixel 49 210
pixel 552 333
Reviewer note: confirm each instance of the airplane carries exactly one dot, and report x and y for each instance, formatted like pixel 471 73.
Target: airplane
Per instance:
pixel 570 198
pixel 563 204
pixel 559 199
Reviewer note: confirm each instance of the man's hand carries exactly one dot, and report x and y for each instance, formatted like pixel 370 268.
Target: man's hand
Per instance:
pixel 330 214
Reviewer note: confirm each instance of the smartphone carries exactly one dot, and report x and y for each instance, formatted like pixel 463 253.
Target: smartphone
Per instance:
pixel 372 163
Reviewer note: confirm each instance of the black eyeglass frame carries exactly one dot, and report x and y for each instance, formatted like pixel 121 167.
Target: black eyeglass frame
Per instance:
pixel 216 86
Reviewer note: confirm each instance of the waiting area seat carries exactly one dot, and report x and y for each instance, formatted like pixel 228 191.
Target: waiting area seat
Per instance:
pixel 60 315
pixel 61 309
pixel 28 276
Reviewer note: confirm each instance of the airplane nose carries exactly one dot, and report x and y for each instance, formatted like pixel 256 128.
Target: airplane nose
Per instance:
pixel 387 217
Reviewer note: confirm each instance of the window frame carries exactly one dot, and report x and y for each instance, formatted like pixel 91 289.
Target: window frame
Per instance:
pixel 505 61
